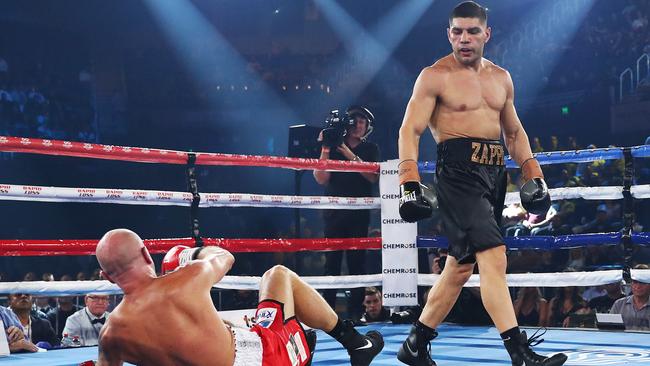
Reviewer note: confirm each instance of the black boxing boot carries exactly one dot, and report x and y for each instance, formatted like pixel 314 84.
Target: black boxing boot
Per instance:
pixel 520 349
pixel 361 348
pixel 415 349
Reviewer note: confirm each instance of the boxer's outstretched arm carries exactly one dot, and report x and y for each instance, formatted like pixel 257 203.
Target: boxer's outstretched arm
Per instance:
pixel 418 112
pixel 219 261
pixel 514 134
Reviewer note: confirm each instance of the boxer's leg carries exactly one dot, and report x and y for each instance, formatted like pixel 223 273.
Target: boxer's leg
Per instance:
pixel 283 285
pixel 492 265
pixel 445 291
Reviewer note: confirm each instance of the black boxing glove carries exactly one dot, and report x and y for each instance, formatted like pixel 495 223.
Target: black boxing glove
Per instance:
pixel 416 201
pixel 534 193
pixel 534 197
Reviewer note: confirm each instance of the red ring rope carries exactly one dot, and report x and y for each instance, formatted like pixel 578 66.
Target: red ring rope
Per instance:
pixel 87 247
pixel 146 155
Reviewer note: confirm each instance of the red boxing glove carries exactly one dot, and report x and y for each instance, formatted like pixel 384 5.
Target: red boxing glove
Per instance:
pixel 178 256
pixel 88 363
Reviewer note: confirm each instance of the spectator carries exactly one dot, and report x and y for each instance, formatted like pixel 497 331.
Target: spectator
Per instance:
pixel 513 216
pixel 15 334
pixel 535 223
pixel 530 307
pixel 593 292
pixel 438 262
pixel 36 329
pixel 42 305
pixel 555 227
pixel 29 276
pixel 58 316
pixel 536 146
pixel 87 322
pixel 566 302
pixel 374 310
pixel 635 309
pixel 603 304
pixel 600 224
pixel 576 259
pixel 82 276
pixel 546 263
pixel 95 275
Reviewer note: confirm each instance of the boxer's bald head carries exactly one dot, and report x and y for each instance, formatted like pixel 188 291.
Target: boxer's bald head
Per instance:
pixel 121 252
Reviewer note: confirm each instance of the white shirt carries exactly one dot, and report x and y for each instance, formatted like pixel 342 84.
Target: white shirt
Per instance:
pixel 79 324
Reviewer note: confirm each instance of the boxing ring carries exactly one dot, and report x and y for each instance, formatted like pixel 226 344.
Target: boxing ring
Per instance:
pixel 456 345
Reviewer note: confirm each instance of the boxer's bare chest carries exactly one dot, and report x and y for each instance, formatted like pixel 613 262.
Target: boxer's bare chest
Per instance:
pixel 469 105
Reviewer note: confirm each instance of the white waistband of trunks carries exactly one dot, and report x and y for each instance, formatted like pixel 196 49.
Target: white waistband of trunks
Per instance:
pixel 248 347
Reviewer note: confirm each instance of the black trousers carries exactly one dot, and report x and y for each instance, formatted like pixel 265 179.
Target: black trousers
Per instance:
pixel 346 224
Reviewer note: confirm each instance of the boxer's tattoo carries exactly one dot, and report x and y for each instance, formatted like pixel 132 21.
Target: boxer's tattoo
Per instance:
pixel 403 171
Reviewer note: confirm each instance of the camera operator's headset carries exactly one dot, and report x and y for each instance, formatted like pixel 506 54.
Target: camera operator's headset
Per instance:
pixel 357 110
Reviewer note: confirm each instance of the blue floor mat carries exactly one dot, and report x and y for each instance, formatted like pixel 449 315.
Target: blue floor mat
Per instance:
pixel 456 346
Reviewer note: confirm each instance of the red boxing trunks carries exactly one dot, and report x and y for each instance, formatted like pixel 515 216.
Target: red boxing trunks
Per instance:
pixel 283 341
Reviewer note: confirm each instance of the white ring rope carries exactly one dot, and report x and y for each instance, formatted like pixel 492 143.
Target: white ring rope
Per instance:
pixel 12 192
pixel 560 279
pixel 640 191
pixel 588 193
pixel 169 198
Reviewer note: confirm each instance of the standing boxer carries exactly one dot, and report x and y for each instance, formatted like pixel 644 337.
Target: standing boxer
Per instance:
pixel 467 102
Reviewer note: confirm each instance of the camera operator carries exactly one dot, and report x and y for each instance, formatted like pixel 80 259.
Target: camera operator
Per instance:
pixel 345 139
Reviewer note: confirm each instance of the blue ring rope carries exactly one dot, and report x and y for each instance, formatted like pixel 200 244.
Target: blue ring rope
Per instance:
pixel 546 242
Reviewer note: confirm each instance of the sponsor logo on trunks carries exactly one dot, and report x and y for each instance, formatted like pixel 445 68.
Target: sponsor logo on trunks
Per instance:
pixel 265 317
pixel 488 154
pixel 296 350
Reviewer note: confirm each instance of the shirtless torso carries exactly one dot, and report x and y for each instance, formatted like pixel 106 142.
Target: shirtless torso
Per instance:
pixel 468 103
pixel 172 321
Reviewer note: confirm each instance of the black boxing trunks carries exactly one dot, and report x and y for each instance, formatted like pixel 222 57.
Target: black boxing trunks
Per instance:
pixel 471 186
